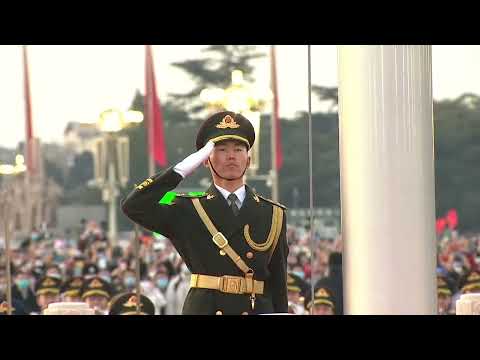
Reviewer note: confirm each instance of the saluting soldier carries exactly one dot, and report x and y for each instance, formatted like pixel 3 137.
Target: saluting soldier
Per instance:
pixel 232 240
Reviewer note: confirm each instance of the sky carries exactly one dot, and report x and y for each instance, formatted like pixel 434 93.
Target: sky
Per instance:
pixel 77 82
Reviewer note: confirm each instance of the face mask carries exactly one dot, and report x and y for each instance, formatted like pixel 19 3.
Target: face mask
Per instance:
pixel 102 263
pixel 162 283
pixel 129 282
pixel 54 275
pixel 23 283
pixel 300 274
pixel 106 278
pixel 77 271
pixel 457 268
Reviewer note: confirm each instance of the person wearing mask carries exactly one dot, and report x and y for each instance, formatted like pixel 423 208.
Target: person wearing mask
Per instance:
pixel 17 307
pixel 177 291
pixel 54 271
pixel 23 293
pixel 149 289
pixel 161 280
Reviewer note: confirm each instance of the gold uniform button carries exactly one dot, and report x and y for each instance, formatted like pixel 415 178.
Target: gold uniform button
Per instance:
pixel 244 313
pixel 249 255
pixel 219 313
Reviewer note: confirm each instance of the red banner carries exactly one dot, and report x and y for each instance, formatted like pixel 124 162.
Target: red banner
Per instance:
pixel 29 146
pixel 153 113
pixel 452 219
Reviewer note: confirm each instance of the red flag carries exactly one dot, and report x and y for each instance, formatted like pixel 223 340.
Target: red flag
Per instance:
pixel 29 154
pixel 276 118
pixel 153 112
pixel 452 219
pixel 440 225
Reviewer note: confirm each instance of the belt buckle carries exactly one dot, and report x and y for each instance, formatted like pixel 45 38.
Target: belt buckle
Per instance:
pixel 220 240
pixel 231 284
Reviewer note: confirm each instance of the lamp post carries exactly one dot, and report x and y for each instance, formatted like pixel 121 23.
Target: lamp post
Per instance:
pixel 6 202
pixel 111 161
pixel 246 99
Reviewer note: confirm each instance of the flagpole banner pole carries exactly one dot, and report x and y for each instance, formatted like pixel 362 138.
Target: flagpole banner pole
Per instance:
pixel 275 136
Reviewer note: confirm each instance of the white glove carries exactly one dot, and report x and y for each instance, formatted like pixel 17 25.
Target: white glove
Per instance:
pixel 191 162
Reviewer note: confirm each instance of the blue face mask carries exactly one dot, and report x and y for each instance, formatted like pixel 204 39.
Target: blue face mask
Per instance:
pixel 77 271
pixel 23 283
pixel 106 278
pixel 300 274
pixel 129 282
pixel 162 283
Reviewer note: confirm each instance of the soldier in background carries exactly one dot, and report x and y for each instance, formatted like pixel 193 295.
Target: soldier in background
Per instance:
pixel 47 292
pixel 96 292
pixel 322 302
pixel 126 304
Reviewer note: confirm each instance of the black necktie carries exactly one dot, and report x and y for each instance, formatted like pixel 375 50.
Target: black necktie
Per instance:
pixel 232 198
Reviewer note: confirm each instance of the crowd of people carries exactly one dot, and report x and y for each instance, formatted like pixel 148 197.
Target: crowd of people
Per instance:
pixel 84 267
pixel 458 268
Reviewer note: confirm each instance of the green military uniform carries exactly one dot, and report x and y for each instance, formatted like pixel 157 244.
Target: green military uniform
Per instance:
pixel 72 287
pixel 322 296
pixel 257 234
pixel 96 286
pixel 472 283
pixel 48 285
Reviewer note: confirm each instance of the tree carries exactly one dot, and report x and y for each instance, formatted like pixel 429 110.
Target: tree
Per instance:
pixel 214 71
pixel 329 94
pixel 457 153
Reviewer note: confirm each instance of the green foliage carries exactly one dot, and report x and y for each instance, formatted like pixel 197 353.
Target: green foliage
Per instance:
pixel 214 71
pixel 457 152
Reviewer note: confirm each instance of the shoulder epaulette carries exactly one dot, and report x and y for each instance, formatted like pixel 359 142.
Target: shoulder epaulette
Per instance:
pixel 272 202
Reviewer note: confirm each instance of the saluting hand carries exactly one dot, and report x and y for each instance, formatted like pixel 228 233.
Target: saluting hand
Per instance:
pixel 191 162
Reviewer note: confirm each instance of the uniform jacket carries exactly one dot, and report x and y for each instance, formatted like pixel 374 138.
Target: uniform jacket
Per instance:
pixel 179 221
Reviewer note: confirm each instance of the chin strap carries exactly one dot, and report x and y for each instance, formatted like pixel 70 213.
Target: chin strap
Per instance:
pixel 221 177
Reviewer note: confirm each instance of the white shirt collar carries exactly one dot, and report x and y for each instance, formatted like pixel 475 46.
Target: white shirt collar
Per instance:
pixel 240 192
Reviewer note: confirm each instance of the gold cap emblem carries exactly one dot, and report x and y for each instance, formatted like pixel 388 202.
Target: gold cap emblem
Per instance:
pixel 4 307
pixel 95 284
pixel 48 282
pixel 132 302
pixel 76 283
pixel 322 293
pixel 227 123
